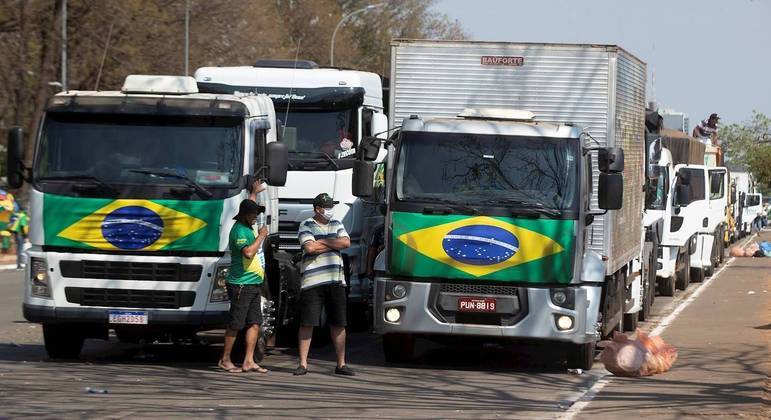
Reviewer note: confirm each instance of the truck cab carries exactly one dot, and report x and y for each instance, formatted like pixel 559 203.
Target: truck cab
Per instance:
pixel 324 113
pixel 705 213
pixel 132 196
pixel 486 216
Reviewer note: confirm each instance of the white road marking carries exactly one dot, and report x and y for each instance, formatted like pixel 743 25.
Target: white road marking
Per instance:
pixel 605 378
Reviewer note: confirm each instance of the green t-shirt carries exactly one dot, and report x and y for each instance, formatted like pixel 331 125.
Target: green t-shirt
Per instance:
pixel 244 270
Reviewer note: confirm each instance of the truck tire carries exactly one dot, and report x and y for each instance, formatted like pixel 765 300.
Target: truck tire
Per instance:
pixel 697 275
pixel 399 348
pixel 649 284
pixel 580 356
pixel 630 321
pixel 62 341
pixel 684 273
pixel 666 285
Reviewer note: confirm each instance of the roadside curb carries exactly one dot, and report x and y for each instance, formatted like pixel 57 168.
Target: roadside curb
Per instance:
pixel 8 267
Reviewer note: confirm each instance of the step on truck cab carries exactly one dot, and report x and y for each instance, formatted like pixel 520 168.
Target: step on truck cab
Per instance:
pixel 324 113
pixel 132 197
pixel 503 223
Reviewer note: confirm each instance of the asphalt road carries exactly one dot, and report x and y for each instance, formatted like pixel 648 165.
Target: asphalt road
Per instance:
pixel 468 380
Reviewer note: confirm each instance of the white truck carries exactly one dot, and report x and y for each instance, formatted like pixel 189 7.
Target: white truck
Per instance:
pixel 749 202
pixel 324 113
pixel 495 224
pixel 132 197
pixel 701 198
pixel 677 237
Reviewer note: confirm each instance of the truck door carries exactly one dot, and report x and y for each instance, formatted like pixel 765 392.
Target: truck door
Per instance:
pixel 718 197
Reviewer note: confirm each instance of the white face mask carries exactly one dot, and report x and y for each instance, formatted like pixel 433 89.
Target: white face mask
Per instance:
pixel 327 213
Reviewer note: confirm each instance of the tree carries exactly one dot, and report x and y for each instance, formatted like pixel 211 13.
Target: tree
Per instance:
pixel 749 144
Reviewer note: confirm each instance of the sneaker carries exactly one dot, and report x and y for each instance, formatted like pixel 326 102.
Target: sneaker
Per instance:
pixel 300 370
pixel 345 371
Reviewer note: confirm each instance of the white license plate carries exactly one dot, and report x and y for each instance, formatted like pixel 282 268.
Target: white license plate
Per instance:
pixel 128 317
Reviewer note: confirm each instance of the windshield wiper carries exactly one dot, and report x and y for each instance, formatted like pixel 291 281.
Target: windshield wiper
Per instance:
pixel 81 177
pixel 449 203
pixel 203 192
pixel 320 154
pixel 528 207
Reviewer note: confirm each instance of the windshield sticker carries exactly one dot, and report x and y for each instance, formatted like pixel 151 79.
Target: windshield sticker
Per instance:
pixel 346 153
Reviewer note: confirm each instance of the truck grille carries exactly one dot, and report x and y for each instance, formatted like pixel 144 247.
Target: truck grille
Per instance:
pixel 476 289
pixel 130 270
pixel 287 232
pixel 129 298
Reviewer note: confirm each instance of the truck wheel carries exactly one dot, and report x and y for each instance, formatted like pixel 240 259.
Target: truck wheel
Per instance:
pixel 580 356
pixel 62 341
pixel 666 285
pixel 721 252
pixel 708 270
pixel 684 274
pixel 399 348
pixel 630 321
pixel 649 285
pixel 697 275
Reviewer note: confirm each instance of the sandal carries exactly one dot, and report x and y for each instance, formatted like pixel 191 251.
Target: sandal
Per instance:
pixel 234 369
pixel 258 369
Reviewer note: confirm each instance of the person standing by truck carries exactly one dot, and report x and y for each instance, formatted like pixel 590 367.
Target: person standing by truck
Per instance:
pixel 247 272
pixel 706 131
pixel 323 281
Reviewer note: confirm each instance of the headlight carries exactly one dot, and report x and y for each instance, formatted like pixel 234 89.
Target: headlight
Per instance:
pixel 39 281
pixel 393 315
pixel 564 298
pixel 219 291
pixel 396 291
pixel 399 291
pixel 564 322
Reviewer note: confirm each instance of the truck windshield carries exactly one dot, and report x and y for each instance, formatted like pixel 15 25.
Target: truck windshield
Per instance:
pixel 658 188
pixel 139 149
pixel 310 133
pixel 489 170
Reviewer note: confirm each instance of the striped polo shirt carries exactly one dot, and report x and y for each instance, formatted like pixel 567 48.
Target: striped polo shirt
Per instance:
pixel 322 268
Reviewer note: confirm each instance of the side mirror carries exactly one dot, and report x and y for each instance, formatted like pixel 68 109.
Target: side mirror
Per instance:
pixel 363 178
pixel 610 159
pixel 379 125
pixel 685 177
pixel 682 195
pixel 610 191
pixel 277 160
pixel 369 148
pixel 15 158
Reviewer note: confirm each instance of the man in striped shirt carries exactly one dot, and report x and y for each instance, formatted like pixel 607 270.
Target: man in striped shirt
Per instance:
pixel 323 281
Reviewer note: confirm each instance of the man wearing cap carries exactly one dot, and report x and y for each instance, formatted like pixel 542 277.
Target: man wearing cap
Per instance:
pixel 323 281
pixel 245 277
pixel 706 131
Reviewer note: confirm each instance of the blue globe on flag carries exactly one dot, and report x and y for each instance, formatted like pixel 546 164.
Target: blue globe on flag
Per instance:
pixel 132 227
pixel 480 244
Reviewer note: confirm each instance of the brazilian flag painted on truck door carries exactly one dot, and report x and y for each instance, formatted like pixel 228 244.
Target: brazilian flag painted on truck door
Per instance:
pixel 132 224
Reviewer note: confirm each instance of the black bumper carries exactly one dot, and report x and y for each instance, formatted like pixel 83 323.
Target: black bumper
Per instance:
pixel 51 315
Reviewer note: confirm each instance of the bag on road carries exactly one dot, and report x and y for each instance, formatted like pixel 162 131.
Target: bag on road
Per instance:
pixel 641 356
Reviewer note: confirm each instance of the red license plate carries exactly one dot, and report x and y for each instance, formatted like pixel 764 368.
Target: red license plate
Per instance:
pixel 469 304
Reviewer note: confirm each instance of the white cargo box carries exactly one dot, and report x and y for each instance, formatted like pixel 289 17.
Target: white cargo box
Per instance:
pixel 600 88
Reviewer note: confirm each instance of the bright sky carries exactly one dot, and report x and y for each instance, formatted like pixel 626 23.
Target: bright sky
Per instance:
pixel 708 55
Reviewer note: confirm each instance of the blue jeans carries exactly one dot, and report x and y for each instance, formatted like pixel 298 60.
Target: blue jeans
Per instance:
pixel 19 248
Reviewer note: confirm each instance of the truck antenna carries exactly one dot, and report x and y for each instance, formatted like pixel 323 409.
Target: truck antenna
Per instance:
pixel 291 89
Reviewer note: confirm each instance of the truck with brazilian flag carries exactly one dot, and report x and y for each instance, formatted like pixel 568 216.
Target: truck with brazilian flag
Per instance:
pixel 132 195
pixel 514 194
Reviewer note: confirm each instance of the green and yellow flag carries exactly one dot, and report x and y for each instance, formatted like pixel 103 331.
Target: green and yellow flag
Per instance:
pixel 131 225
pixel 481 247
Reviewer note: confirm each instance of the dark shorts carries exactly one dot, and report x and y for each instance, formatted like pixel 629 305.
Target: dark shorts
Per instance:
pixel 327 296
pixel 245 306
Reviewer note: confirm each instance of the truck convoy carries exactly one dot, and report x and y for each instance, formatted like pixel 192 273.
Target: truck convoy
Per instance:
pixel 514 193
pixel 132 196
pixel 324 113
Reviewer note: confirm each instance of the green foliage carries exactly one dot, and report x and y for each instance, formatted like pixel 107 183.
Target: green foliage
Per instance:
pixel 749 144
